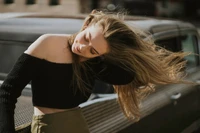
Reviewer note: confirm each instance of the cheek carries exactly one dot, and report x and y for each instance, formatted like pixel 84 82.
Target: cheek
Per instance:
pixel 72 48
pixel 79 37
pixel 75 43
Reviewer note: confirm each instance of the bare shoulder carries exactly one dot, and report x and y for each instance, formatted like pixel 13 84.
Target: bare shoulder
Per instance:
pixel 46 44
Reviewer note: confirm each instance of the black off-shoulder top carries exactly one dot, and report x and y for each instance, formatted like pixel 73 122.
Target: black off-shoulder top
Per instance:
pixel 51 85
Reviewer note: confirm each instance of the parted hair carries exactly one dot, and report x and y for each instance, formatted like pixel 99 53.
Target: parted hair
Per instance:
pixel 134 50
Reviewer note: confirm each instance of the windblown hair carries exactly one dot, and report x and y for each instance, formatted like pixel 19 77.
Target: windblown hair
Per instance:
pixel 135 51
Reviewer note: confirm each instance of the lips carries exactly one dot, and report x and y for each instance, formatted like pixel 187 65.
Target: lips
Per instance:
pixel 77 49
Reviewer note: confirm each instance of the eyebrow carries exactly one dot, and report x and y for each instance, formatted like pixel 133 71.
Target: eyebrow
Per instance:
pixel 90 41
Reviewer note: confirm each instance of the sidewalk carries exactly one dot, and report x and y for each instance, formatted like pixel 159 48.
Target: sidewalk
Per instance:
pixel 12 14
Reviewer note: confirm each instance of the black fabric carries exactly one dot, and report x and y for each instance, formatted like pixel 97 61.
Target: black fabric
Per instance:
pixel 111 73
pixel 114 75
pixel 50 85
pixel 11 88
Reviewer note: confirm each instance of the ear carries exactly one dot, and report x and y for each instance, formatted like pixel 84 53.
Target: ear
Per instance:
pixel 94 11
pixel 90 17
pixel 85 26
pixel 87 21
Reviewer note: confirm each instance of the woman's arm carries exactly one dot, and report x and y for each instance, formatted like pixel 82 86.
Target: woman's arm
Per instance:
pixel 20 75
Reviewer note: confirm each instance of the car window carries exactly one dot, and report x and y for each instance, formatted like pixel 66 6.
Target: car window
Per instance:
pixel 170 44
pixel 188 44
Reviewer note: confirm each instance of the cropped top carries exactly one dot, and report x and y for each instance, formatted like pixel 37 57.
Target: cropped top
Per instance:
pixel 51 85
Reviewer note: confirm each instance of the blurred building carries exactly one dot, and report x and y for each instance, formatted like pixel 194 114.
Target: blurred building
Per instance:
pixel 170 8
pixel 54 6
pixel 164 8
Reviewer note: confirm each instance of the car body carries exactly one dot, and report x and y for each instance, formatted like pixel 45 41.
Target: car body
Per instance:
pixel 171 108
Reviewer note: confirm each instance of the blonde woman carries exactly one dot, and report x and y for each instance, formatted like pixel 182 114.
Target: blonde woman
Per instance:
pixel 62 70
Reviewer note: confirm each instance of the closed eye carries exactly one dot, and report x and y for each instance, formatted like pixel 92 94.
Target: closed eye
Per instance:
pixel 86 38
pixel 92 51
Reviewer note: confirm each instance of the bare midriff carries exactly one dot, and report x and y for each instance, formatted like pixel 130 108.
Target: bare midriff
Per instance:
pixel 44 110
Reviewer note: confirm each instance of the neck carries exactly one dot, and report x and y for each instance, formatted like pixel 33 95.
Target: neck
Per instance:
pixel 81 59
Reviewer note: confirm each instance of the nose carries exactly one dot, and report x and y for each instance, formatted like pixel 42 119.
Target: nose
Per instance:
pixel 83 47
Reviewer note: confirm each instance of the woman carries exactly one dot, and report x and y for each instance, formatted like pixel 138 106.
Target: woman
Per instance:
pixel 62 70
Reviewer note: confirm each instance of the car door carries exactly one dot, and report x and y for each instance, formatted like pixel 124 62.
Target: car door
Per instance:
pixel 181 101
pixel 183 97
pixel 190 42
pixel 163 115
pixel 191 37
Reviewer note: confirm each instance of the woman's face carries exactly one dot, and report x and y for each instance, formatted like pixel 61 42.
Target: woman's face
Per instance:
pixel 90 43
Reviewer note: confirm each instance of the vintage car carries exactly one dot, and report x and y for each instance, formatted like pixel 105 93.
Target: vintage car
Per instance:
pixel 170 109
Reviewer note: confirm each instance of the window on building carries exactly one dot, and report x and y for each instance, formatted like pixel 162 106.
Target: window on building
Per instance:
pixel 54 2
pixel 164 3
pixel 30 2
pixel 8 1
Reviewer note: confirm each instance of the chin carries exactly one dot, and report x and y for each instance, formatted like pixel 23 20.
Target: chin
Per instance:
pixel 73 50
pixel 83 58
pixel 75 53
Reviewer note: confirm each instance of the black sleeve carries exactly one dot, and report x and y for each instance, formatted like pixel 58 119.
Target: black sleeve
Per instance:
pixel 113 74
pixel 20 75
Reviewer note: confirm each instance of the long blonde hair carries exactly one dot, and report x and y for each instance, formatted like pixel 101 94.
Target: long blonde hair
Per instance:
pixel 152 65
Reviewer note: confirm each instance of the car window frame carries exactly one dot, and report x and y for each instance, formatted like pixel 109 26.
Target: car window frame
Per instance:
pixel 197 47
pixel 177 33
